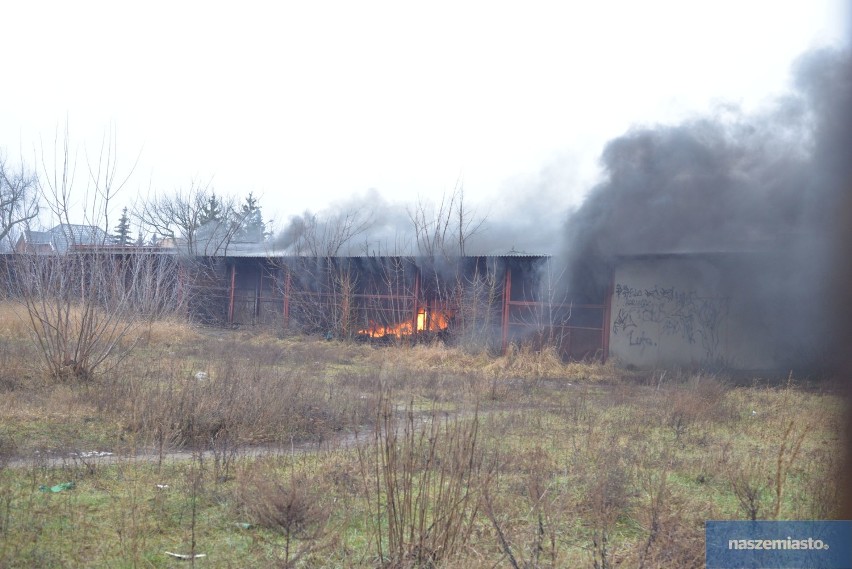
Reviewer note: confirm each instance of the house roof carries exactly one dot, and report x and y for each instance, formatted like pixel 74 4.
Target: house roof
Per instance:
pixel 37 237
pixel 65 235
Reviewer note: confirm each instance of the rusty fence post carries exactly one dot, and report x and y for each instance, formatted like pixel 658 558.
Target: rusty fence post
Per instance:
pixel 286 297
pixel 507 294
pixel 416 301
pixel 231 294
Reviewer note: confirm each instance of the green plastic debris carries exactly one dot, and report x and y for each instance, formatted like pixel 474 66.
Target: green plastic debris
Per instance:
pixel 243 525
pixel 58 488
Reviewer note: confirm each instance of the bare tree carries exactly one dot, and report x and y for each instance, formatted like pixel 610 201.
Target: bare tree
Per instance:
pixel 188 219
pixel 92 202
pixel 18 200
pixel 327 234
pixel 83 301
pixel 443 229
pixel 324 294
pixel 547 318
pixel 442 232
pixel 477 305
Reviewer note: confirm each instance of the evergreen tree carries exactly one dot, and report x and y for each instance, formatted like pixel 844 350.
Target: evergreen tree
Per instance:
pixel 253 226
pixel 210 211
pixel 122 230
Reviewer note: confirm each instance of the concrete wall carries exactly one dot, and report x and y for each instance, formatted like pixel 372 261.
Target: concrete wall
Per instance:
pixel 692 311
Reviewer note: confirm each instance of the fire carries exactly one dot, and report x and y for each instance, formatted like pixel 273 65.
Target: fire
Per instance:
pixel 426 321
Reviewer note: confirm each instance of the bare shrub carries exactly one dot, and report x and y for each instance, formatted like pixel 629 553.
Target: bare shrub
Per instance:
pixel 323 295
pixel 286 504
pixel 578 407
pixel 698 401
pixel 606 499
pixel 538 476
pixel 77 313
pixel 819 494
pixel 750 483
pixel 673 533
pixel 477 315
pixel 759 483
pixel 788 453
pixel 530 513
pixel 675 537
pixel 429 477
pixel 443 229
pixel 242 398
pixel 81 298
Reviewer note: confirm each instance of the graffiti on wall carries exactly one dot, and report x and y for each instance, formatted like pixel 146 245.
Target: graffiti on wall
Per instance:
pixel 647 315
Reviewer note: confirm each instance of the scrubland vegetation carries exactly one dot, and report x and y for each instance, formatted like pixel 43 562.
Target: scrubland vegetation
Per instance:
pixel 264 449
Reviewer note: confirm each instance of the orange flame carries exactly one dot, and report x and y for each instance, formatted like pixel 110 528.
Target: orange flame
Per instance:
pixel 431 321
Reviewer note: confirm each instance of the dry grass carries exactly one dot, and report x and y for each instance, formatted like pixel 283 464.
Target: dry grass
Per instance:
pixel 517 363
pixel 13 321
pixel 166 332
pixel 571 465
pixel 121 335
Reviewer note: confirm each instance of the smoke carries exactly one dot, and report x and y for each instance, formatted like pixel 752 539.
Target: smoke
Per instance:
pixel 527 214
pixel 732 182
pixel 363 224
pixel 728 182
pixel 524 220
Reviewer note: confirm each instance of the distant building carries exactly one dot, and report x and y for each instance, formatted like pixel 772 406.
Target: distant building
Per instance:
pixel 215 238
pixel 170 243
pixel 61 238
pixel 34 242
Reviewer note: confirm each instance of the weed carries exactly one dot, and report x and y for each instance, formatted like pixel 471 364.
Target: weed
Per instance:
pixel 288 506
pixel 430 479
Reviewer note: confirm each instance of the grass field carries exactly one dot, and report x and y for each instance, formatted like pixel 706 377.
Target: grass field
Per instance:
pixel 257 449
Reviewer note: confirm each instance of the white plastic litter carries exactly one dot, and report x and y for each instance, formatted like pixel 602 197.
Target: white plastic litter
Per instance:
pixel 92 454
pixel 185 556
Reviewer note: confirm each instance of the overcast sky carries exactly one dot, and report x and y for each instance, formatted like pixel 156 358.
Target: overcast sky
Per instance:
pixel 308 103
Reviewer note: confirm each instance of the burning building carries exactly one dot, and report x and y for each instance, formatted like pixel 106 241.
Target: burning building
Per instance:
pixel 683 310
pixel 483 301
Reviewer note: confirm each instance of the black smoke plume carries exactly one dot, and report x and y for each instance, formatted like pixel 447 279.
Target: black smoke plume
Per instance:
pixel 731 182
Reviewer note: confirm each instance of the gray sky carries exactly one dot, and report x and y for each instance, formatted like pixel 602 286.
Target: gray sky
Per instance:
pixel 308 103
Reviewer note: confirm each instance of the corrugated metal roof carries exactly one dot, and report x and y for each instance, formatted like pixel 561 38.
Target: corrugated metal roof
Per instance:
pixel 257 254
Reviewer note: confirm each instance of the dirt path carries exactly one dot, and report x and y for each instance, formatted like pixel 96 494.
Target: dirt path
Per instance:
pixel 102 458
pixel 365 435
pixel 92 459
